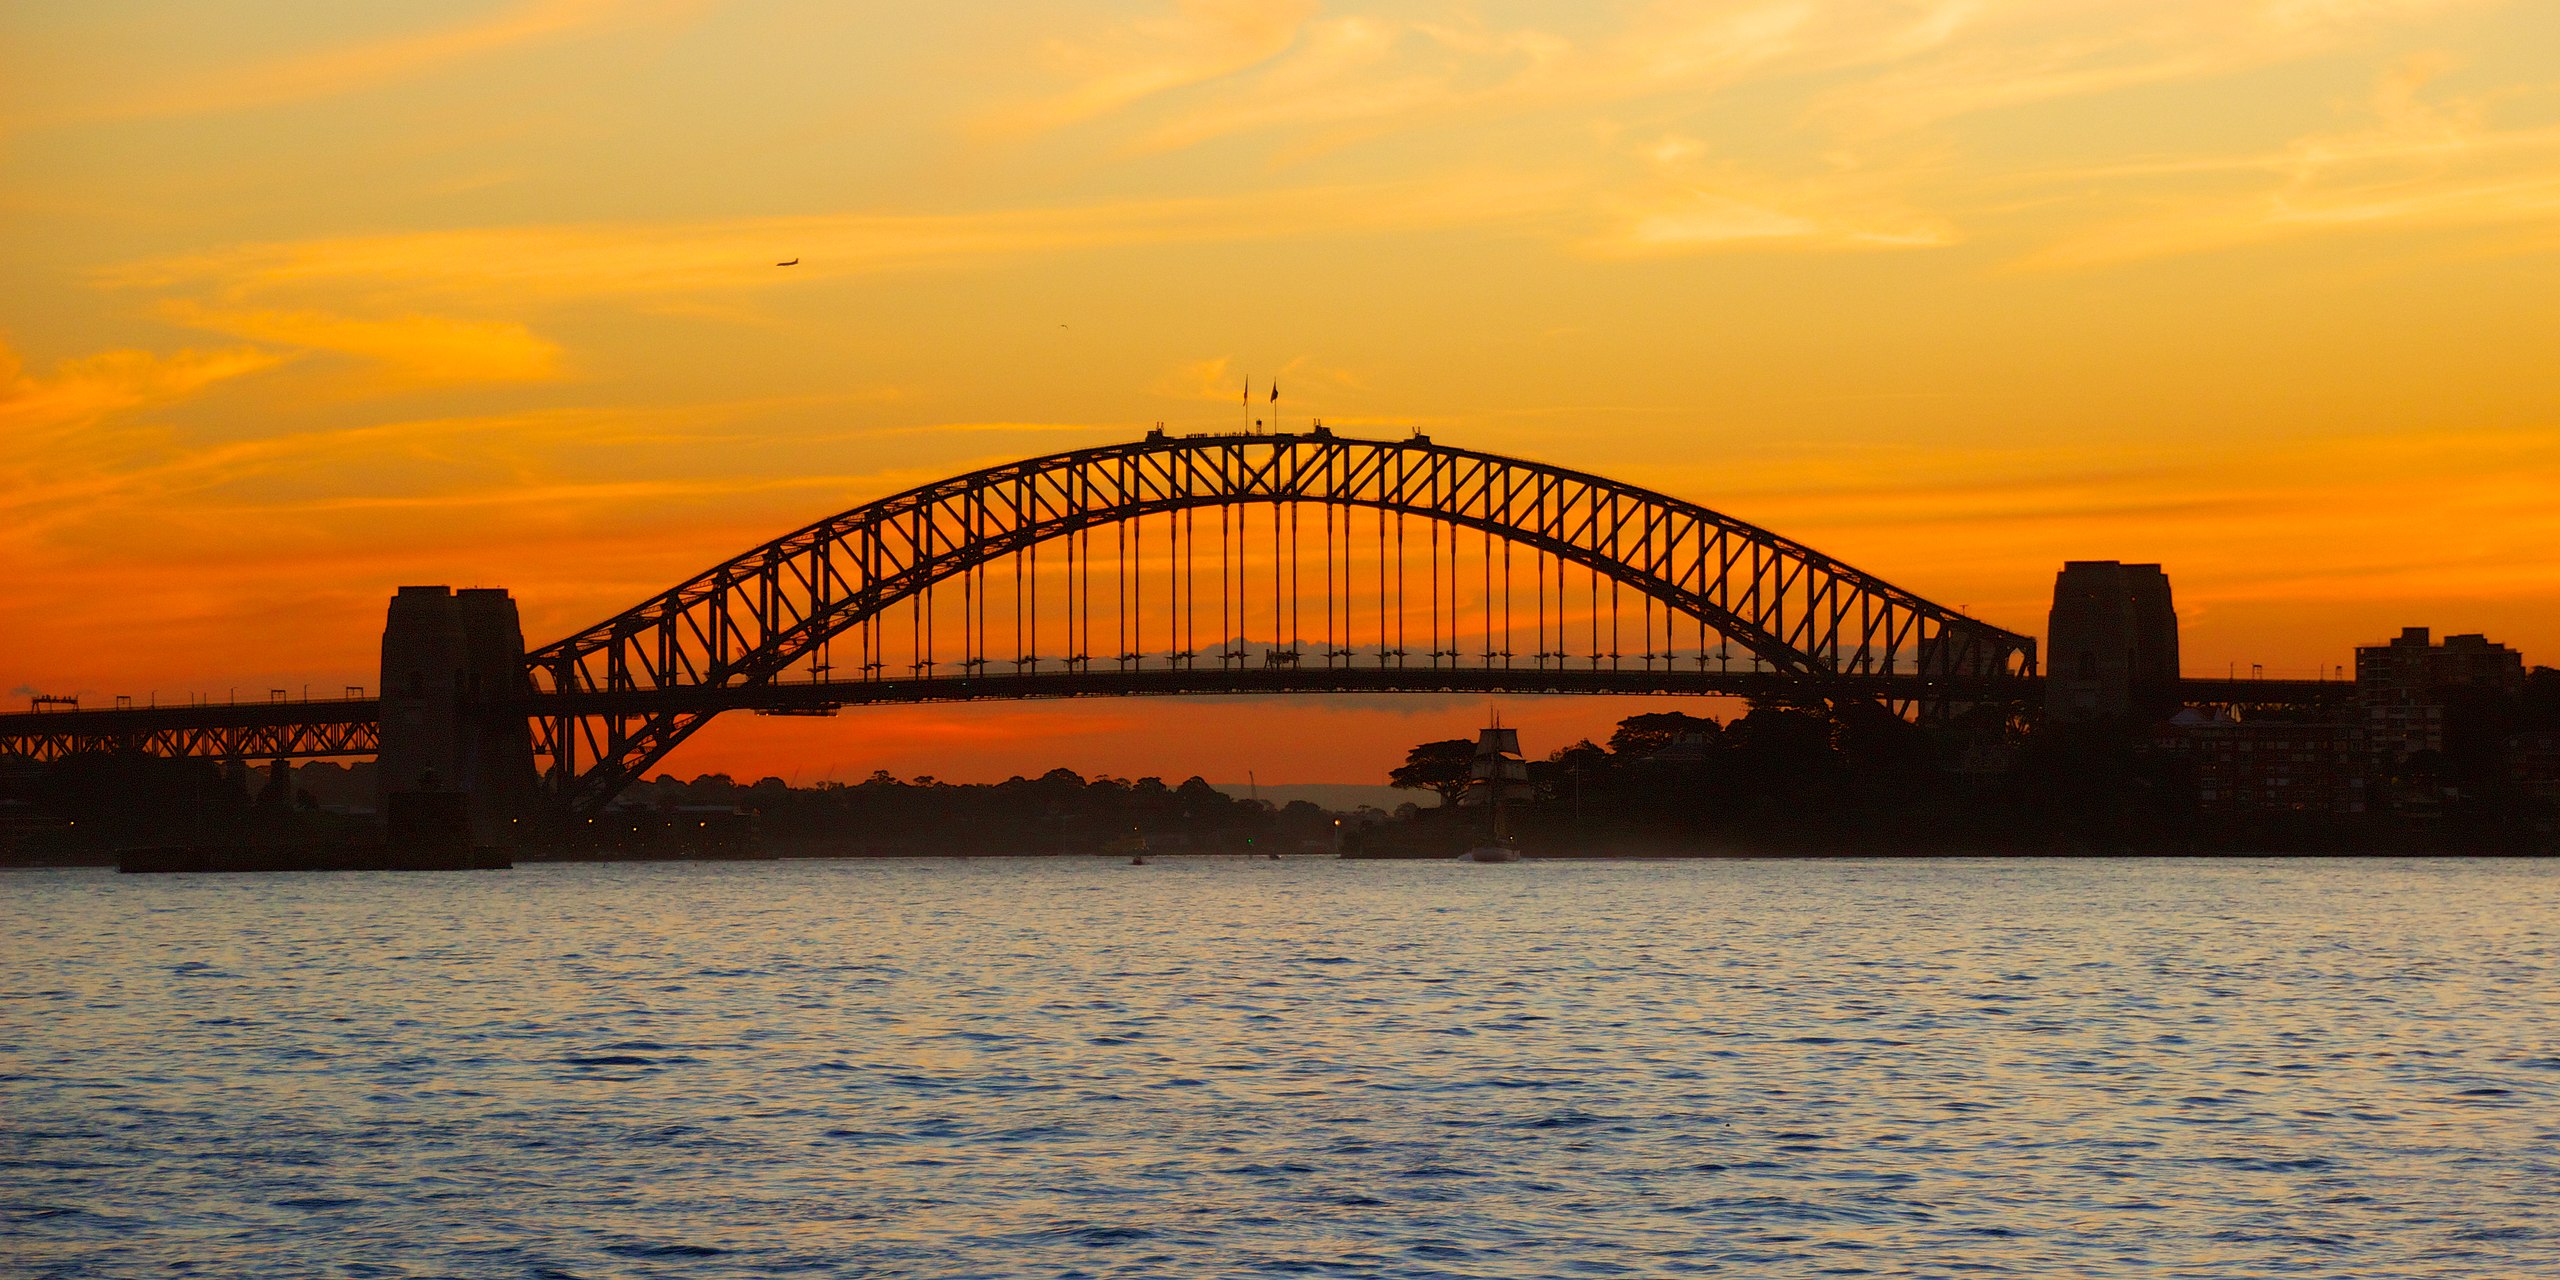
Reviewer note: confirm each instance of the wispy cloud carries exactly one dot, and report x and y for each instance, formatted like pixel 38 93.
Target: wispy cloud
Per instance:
pixel 1356 75
pixel 2418 165
pixel 1210 379
pixel 1898 64
pixel 1690 202
pixel 37 411
pixel 551 264
pixel 1854 76
pixel 457 457
pixel 375 64
pixel 1198 41
pixel 2013 55
pixel 416 348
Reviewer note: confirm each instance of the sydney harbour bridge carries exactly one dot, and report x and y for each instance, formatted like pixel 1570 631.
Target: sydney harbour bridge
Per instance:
pixel 1175 564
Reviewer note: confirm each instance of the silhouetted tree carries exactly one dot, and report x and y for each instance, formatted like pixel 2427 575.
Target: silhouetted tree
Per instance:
pixel 1643 735
pixel 1438 767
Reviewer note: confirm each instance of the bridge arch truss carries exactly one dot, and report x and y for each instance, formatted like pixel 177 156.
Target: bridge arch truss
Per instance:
pixel 1357 564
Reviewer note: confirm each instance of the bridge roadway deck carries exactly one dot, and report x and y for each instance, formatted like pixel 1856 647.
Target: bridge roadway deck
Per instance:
pixel 1106 681
pixel 223 730
pixel 351 726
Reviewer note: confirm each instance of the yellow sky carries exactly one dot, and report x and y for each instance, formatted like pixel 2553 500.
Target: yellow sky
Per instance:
pixel 301 302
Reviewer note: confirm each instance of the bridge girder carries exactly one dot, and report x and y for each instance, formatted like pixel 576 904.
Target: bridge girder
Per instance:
pixel 226 731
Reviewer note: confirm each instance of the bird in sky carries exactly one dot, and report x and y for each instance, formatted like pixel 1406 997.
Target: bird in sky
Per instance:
pixel 793 263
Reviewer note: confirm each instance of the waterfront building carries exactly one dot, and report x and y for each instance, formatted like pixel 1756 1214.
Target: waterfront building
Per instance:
pixel 2405 688
pixel 2533 764
pixel 2267 763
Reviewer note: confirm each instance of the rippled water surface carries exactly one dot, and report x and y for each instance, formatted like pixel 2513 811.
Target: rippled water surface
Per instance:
pixel 1215 1067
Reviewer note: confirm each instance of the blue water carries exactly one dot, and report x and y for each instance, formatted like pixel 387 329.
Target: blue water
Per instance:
pixel 1210 1068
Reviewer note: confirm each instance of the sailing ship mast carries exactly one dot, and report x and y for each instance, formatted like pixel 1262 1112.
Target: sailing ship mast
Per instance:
pixel 1495 775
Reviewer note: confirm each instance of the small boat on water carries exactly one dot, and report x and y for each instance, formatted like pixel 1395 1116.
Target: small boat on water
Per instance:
pixel 1496 775
pixel 1134 844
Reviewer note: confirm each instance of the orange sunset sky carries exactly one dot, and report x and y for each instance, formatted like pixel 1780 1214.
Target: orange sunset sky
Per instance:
pixel 300 302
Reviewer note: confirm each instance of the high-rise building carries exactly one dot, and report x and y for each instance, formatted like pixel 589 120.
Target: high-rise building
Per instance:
pixel 2533 764
pixel 2111 643
pixel 2404 687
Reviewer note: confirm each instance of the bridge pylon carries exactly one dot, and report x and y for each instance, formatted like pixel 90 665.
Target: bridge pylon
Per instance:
pixel 452 679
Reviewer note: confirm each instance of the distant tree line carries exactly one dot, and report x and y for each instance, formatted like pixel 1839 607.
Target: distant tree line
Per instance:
pixel 1058 812
pixel 86 807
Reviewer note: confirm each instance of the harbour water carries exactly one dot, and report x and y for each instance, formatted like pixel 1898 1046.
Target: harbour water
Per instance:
pixel 1077 1067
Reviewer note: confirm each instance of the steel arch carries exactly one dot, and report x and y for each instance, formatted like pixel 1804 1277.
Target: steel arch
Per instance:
pixel 746 621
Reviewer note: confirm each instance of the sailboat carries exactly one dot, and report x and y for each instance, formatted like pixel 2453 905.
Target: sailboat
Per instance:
pixel 1496 775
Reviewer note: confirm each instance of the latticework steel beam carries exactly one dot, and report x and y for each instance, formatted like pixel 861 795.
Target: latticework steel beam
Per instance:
pixel 261 731
pixel 1794 612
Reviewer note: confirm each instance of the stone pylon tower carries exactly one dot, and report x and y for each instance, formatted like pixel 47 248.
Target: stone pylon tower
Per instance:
pixel 452 673
pixel 2111 643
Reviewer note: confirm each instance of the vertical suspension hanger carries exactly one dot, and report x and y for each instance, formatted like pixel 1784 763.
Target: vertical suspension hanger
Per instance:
pixel 1297 550
pixel 1454 571
pixel 1702 617
pixel 1120 593
pixel 1225 657
pixel 1435 589
pixel 1382 585
pixel 1068 655
pixel 1031 551
pixel 968 598
pixel 1138 596
pixel 1404 647
pixel 1329 645
pixel 1648 629
pixel 1187 531
pixel 1017 581
pixel 1278 557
